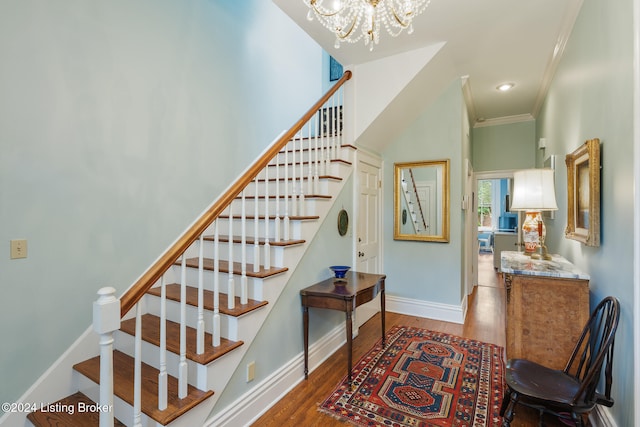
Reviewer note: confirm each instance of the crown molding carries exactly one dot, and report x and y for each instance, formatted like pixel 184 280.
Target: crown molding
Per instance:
pixel 504 120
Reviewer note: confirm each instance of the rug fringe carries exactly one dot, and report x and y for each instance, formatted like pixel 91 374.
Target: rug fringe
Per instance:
pixel 336 416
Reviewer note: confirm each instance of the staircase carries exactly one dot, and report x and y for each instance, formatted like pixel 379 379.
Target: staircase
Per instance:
pixel 171 343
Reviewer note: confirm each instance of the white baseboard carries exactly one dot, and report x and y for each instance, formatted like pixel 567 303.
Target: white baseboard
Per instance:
pixel 601 417
pixel 427 309
pixel 251 405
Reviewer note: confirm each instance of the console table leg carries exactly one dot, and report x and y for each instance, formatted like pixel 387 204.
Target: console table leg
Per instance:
pixel 305 320
pixel 383 316
pixel 349 343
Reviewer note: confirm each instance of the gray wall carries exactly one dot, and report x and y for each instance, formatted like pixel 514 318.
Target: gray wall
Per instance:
pixel 119 123
pixel 591 97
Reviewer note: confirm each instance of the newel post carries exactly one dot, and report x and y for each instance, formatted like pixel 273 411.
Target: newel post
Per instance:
pixel 106 320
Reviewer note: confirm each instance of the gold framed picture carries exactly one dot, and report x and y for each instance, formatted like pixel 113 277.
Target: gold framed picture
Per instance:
pixel 583 191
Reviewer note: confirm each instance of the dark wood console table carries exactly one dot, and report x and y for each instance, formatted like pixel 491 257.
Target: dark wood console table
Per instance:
pixel 344 295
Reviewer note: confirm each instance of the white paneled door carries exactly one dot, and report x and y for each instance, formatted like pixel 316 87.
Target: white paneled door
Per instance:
pixel 368 226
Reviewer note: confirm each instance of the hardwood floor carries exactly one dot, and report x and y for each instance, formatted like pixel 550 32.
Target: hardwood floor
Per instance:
pixel 485 322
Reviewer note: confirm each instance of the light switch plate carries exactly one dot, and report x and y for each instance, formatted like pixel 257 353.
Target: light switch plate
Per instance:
pixel 18 248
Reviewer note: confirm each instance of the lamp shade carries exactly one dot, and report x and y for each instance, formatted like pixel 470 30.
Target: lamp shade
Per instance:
pixel 534 190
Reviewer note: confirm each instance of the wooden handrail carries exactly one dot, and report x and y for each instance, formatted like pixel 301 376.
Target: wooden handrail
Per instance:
pixel 151 276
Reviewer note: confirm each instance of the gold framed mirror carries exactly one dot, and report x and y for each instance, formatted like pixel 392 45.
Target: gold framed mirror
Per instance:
pixel 421 201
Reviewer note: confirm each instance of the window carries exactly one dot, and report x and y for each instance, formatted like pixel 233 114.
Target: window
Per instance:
pixel 485 204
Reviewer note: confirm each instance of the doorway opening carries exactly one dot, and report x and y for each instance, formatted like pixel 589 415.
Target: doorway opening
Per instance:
pixel 497 226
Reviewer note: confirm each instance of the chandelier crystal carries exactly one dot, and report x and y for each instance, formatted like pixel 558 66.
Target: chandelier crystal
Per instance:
pixel 352 20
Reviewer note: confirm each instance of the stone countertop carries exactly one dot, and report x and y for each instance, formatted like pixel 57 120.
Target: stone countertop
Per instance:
pixel 519 263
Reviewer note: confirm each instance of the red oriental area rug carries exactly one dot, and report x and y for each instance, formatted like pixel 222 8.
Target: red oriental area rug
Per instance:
pixel 423 379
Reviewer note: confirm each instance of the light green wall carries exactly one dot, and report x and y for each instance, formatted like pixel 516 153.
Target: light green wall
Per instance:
pixel 119 123
pixel 591 97
pixel 504 147
pixel 427 271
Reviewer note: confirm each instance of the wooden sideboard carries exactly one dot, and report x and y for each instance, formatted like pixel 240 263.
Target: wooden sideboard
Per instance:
pixel 547 308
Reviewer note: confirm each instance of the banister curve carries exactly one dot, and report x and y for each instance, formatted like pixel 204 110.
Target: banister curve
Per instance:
pixel 133 295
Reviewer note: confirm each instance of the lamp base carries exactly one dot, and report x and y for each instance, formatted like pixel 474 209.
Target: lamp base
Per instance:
pixel 541 253
pixel 530 231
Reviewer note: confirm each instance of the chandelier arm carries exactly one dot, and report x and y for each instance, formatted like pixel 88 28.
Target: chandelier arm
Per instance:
pixel 398 19
pixel 324 14
pixel 348 33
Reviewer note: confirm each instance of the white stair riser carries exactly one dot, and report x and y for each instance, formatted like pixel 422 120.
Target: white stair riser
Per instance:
pixel 228 324
pixel 293 170
pixel 124 412
pixel 276 253
pixel 121 409
pixel 255 285
pixel 223 227
pixel 197 374
pixel 309 205
pixel 323 187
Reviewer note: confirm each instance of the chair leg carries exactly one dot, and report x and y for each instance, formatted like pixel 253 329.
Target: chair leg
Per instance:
pixel 505 401
pixel 509 412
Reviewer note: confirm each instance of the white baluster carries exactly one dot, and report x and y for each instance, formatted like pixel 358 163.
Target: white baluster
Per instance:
pixel 182 366
pixel 231 290
pixel 200 327
pixel 310 162
pixel 301 207
pixel 294 195
pixel 163 384
pixel 137 370
pixel 276 222
pixel 267 245
pixel 334 134
pixel 106 320
pixel 316 173
pixel 243 251
pixel 286 193
pixel 340 128
pixel 216 286
pixel 256 226
pixel 324 150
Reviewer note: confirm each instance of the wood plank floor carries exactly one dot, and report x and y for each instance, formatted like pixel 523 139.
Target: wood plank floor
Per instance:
pixel 485 322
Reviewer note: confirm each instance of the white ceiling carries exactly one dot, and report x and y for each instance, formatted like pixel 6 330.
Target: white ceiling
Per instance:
pixel 490 41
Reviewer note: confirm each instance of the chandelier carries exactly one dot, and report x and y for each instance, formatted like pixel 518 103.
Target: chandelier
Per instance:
pixel 352 20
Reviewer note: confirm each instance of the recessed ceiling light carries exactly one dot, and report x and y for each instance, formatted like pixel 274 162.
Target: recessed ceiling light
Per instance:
pixel 505 87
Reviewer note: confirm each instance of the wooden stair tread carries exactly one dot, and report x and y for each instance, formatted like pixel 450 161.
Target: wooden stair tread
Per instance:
pixel 306 138
pixel 223 266
pixel 251 240
pixel 306 196
pixel 123 367
pixel 151 334
pixel 72 411
pixel 346 162
pixel 173 293
pixel 291 217
pixel 328 177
